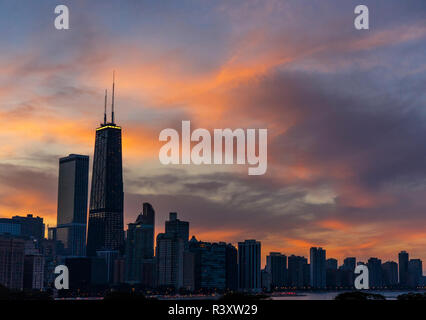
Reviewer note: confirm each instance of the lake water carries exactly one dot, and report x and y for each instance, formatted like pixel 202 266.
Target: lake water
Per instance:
pixel 330 295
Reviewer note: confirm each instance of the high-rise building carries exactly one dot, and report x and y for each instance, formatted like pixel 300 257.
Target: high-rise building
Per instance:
pixel 331 264
pixel 8 226
pixel 49 250
pixel 249 265
pixel 32 227
pixel 331 272
pixel 86 271
pixel 119 270
pixel 317 269
pixel 346 273
pixel 109 257
pixel 266 280
pixel 349 264
pixel 276 265
pixel 72 204
pixel 105 231
pixel 34 272
pixel 169 255
pixel 375 273
pixel 297 275
pixel 415 273
pixel 231 267
pixel 403 268
pixel 180 228
pixel 209 265
pixel 215 265
pixel 390 273
pixel 140 244
pixel 12 252
pixel 189 270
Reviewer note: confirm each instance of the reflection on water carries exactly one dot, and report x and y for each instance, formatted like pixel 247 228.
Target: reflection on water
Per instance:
pixel 389 295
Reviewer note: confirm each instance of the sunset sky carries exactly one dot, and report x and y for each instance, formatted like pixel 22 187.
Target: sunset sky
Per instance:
pixel 345 112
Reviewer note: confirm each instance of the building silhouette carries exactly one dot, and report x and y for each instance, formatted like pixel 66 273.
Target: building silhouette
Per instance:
pixel 298 272
pixel 249 265
pixel 266 280
pixel 85 272
pixel 331 267
pixel 403 268
pixel 34 272
pixel 140 246
pixel 178 227
pixel 12 253
pixel 346 273
pixel 390 274
pixel 317 268
pixel 170 260
pixel 215 265
pixel 415 273
pixel 170 253
pixel 32 227
pixel 349 264
pixel 72 204
pixel 375 277
pixel 105 230
pixel 8 226
pixel 276 266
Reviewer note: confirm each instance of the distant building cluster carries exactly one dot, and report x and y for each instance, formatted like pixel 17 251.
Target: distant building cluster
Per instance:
pixel 174 262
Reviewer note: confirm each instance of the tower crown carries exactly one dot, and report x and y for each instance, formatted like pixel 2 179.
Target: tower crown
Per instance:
pixel 112 123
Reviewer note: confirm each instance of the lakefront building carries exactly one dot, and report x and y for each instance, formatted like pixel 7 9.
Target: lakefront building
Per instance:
pixel 72 204
pixel 317 268
pixel 249 265
pixel 105 230
pixel 140 247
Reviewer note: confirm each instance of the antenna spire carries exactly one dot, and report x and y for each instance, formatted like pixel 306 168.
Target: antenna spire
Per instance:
pixel 113 93
pixel 105 106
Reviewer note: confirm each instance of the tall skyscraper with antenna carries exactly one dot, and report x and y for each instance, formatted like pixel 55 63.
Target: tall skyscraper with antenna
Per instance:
pixel 105 231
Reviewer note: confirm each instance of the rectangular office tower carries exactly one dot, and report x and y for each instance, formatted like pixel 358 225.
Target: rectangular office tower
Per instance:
pixel 276 266
pixel 249 265
pixel 140 247
pixel 317 268
pixel 72 204
pixel 105 231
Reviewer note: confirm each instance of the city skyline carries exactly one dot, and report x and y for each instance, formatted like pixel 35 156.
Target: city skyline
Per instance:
pixel 189 265
pixel 345 113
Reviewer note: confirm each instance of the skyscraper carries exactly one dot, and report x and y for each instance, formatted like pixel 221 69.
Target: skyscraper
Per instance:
pixel 169 253
pixel 390 273
pixel 297 277
pixel 174 225
pixel 12 254
pixel 375 273
pixel 276 265
pixel 32 227
pixel 34 272
pixel 415 273
pixel 349 264
pixel 403 268
pixel 169 256
pixel 140 244
pixel 72 204
pixel 215 265
pixel 249 265
pixel 8 226
pixel 331 272
pixel 105 231
pixel 317 269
